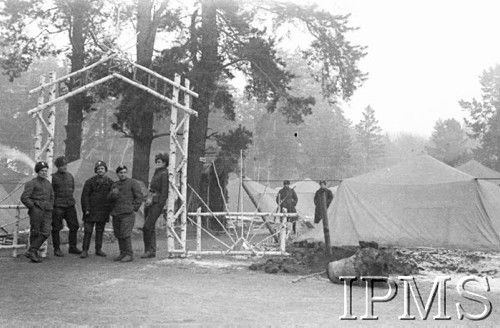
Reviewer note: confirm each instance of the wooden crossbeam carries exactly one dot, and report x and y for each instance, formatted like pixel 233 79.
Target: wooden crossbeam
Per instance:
pixel 69 94
pixel 102 60
pixel 172 230
pixel 156 94
pixel 169 81
pixel 44 124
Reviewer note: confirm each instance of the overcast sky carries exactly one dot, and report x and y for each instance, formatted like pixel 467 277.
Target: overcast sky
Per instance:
pixel 423 56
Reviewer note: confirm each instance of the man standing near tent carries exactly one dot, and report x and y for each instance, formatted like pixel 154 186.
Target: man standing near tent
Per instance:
pixel 287 198
pixel 64 207
pixel 126 197
pixel 322 200
pixel 38 197
pixel 96 208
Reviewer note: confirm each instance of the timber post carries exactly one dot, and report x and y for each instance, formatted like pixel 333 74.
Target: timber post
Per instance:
pixel 326 227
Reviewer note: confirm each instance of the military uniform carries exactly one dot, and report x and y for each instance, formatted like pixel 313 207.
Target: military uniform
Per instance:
pixel 64 209
pixel 287 199
pixel 96 208
pixel 38 197
pixel 126 197
pixel 159 192
pixel 323 194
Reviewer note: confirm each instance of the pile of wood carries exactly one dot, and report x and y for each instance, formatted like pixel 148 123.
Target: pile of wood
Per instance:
pixel 369 260
pixel 305 258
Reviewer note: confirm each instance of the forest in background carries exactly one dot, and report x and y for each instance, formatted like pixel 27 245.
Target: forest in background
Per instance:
pixel 284 118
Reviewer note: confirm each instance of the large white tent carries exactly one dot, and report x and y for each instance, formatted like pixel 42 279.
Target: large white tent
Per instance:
pixel 421 202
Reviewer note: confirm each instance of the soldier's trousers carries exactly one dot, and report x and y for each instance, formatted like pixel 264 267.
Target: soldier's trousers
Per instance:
pixel 40 223
pixel 151 214
pixel 68 214
pixel 122 228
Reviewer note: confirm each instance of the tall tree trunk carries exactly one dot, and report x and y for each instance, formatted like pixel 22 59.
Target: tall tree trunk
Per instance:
pixel 205 74
pixel 142 150
pixel 76 104
pixel 147 24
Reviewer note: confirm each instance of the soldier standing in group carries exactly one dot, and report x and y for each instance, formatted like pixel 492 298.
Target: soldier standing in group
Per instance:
pixel 126 197
pixel 38 197
pixel 322 200
pixel 157 197
pixel 96 208
pixel 64 207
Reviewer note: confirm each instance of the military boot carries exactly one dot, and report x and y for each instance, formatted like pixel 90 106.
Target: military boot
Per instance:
pixel 86 244
pixel 122 250
pixel 56 244
pixel 98 243
pixel 127 243
pixel 72 239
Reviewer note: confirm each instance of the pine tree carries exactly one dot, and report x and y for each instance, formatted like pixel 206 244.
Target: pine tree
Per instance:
pixel 448 142
pixel 369 139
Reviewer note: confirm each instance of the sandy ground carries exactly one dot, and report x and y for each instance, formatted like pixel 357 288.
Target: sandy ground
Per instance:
pixel 188 292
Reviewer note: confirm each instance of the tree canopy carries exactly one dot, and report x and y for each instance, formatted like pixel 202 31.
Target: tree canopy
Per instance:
pixel 483 121
pixel 448 142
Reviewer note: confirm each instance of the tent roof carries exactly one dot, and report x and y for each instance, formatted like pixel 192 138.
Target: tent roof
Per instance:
pixel 421 169
pixel 262 195
pixel 478 170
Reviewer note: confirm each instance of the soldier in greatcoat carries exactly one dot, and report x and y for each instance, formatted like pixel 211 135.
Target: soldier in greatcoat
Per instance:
pixel 322 200
pixel 155 202
pixel 38 197
pixel 96 208
pixel 126 197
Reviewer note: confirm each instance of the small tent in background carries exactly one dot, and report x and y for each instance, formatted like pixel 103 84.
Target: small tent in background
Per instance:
pixel 7 217
pixel 15 199
pixel 419 202
pixel 480 171
pixel 252 193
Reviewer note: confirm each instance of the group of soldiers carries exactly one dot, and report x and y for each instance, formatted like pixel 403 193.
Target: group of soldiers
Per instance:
pixel 50 203
pixel 287 200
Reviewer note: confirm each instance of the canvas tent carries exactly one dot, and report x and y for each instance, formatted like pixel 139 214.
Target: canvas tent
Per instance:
pixel 252 192
pixel 480 171
pixel 7 217
pixel 419 202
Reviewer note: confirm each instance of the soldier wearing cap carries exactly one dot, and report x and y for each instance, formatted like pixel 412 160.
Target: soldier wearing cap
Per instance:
pixel 126 197
pixel 64 207
pixel 96 208
pixel 287 198
pixel 38 197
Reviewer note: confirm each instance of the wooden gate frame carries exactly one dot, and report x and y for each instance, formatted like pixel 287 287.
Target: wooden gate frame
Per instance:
pixel 178 185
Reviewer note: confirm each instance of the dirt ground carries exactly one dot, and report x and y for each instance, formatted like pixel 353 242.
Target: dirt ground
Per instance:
pixel 212 291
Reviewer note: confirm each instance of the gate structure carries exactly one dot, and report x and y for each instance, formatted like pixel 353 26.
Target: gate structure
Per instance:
pixel 156 85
